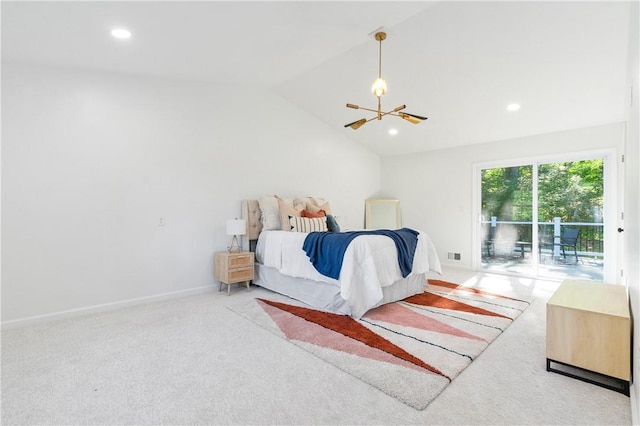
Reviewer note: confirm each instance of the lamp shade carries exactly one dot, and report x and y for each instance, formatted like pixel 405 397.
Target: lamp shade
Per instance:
pixel 236 227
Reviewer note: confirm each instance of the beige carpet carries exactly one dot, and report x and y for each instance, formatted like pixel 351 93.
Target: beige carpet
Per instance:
pixel 193 361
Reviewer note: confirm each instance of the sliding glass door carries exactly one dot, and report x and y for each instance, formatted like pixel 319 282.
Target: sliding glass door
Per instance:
pixel 507 201
pixel 544 219
pixel 571 219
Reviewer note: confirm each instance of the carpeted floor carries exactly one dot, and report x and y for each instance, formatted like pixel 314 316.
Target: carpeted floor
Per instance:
pixel 411 349
pixel 191 360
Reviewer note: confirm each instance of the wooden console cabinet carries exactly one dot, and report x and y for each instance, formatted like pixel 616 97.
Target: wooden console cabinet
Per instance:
pixel 589 327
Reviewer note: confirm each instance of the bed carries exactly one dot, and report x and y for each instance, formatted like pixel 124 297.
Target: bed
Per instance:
pixel 369 277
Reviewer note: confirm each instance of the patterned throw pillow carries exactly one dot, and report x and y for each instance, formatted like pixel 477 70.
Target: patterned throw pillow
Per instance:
pixel 308 224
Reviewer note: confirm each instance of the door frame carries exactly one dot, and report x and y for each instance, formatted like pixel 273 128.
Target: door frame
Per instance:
pixel 611 203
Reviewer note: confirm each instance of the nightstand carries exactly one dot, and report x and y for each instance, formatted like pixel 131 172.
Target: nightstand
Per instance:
pixel 233 267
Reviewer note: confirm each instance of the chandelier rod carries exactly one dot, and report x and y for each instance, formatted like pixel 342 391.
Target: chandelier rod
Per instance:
pixel 380 56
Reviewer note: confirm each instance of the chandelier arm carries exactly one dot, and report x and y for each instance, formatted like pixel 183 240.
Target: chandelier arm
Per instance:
pixel 382 114
pixel 401 107
pixel 400 114
pixel 367 109
pixel 419 117
pixel 370 119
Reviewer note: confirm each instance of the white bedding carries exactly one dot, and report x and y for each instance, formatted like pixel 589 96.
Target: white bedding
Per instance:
pixel 370 263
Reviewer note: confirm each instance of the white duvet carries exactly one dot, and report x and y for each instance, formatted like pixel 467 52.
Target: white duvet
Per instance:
pixel 370 263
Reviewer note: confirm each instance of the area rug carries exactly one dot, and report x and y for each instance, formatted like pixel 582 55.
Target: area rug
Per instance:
pixel 411 349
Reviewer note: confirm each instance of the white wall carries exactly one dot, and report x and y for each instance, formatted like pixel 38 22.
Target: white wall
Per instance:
pixel 435 188
pixel 90 162
pixel 632 199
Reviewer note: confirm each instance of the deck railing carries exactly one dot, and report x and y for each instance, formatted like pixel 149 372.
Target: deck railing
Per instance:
pixel 590 241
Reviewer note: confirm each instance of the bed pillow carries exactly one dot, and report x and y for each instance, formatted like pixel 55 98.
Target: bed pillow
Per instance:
pixel 308 224
pixel 270 213
pixel 287 210
pixel 316 208
pixel 317 201
pixel 309 202
pixel 309 213
pixel 332 224
pixel 286 201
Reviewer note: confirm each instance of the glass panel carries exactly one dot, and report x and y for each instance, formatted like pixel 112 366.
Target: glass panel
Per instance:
pixel 507 219
pixel 570 214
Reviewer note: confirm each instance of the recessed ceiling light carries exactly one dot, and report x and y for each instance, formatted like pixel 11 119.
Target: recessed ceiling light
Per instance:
pixel 393 132
pixel 513 107
pixel 121 33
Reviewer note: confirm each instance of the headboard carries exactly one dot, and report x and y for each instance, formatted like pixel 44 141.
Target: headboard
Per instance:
pixel 253 217
pixel 251 213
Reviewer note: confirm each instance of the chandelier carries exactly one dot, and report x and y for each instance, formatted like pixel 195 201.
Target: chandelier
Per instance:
pixel 379 88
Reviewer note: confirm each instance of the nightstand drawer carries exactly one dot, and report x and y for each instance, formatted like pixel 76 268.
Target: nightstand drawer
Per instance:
pixel 242 274
pixel 240 260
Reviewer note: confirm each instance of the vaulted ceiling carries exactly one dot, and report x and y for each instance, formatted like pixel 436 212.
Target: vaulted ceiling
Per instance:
pixel 458 63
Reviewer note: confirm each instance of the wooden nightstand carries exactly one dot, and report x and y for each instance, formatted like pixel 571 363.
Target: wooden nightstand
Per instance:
pixel 233 267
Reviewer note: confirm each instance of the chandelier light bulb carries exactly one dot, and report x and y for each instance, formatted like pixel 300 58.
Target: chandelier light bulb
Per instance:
pixel 379 87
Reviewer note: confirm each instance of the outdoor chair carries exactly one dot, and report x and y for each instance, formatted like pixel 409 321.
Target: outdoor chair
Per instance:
pixel 488 245
pixel 569 239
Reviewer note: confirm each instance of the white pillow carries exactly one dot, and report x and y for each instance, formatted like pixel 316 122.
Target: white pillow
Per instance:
pixel 315 209
pixel 286 201
pixel 287 210
pixel 308 224
pixel 308 202
pixel 270 213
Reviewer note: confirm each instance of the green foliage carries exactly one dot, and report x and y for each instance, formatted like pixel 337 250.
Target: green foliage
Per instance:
pixel 572 191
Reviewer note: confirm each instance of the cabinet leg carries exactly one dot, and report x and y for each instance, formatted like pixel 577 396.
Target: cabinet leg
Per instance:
pixel 623 385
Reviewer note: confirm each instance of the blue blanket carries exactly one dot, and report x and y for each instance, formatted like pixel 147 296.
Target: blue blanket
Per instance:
pixel 326 249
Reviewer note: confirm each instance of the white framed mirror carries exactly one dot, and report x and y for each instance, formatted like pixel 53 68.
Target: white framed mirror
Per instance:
pixel 382 214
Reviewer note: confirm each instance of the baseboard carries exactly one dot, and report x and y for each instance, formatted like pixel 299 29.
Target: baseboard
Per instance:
pixel 635 420
pixel 105 307
pixel 456 265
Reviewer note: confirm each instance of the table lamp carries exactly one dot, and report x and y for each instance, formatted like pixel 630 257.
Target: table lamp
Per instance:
pixel 236 227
